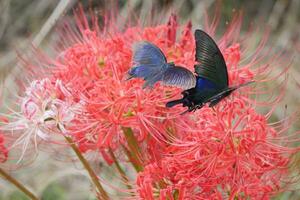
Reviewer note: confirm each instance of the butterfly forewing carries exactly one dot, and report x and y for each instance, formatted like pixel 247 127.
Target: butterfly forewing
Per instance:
pixel 211 62
pixel 149 62
pixel 148 54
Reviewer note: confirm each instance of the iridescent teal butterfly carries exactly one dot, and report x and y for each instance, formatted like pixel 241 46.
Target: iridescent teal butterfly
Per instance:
pixel 209 85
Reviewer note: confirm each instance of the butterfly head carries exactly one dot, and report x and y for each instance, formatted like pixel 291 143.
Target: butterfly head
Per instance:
pixel 171 64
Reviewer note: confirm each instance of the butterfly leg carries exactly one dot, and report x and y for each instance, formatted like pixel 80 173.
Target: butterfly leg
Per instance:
pixel 195 107
pixel 185 93
pixel 213 109
pixel 199 106
pixel 190 109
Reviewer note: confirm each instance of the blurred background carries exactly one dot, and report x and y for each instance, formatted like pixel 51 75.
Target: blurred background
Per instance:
pixel 33 21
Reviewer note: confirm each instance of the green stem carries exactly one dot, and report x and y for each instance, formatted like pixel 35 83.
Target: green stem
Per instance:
pixel 86 165
pixel 19 185
pixel 120 170
pixel 133 152
pixel 132 160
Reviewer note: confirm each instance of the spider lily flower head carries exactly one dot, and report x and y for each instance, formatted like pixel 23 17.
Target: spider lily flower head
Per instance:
pixel 44 106
pixel 235 154
pixel 45 111
pixel 95 66
pixel 231 151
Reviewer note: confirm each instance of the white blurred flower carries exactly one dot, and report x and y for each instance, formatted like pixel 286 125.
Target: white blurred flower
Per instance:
pixel 45 111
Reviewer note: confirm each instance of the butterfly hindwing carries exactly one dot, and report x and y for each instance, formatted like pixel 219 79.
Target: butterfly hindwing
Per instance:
pixel 211 64
pixel 151 64
pixel 179 76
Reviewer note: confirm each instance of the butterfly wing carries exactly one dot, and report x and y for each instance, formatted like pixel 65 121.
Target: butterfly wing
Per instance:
pixel 211 64
pixel 148 60
pixel 146 53
pixel 179 76
pixel 151 64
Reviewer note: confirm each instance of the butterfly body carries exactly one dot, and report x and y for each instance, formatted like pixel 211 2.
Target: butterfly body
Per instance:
pixel 209 85
pixel 204 92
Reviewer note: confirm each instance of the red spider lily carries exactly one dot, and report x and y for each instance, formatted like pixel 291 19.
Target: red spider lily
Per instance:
pixel 227 152
pixel 232 153
pixel 95 69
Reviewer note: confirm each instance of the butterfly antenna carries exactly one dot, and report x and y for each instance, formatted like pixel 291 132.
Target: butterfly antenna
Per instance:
pixel 173 103
pixel 245 84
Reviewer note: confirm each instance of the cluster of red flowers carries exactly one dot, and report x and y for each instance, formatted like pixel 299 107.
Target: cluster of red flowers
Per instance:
pixel 226 152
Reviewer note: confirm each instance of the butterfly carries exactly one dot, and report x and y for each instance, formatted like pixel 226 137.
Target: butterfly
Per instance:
pixel 209 84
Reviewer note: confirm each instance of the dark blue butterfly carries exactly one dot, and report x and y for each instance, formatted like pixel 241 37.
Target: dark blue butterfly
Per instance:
pixel 210 85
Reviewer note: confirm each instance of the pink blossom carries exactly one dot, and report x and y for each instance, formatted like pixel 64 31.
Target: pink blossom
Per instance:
pixel 44 112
